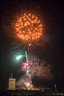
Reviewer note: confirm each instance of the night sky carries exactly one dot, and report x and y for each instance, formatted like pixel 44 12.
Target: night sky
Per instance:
pixel 52 52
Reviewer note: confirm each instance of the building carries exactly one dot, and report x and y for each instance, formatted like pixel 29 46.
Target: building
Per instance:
pixel 11 83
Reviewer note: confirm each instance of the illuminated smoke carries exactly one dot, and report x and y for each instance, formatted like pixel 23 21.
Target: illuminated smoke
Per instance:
pixel 24 83
pixel 36 68
pixel 41 71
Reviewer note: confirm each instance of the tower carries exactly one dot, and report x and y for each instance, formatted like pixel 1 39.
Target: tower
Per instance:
pixel 12 83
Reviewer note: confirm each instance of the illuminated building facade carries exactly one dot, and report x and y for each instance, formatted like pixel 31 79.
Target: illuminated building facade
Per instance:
pixel 12 83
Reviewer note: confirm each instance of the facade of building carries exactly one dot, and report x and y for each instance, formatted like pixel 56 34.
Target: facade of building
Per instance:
pixel 11 83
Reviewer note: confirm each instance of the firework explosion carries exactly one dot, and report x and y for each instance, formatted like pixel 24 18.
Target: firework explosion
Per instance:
pixel 25 66
pixel 28 28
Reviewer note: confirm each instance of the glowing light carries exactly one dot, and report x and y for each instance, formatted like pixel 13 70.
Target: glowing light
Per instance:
pixel 29 44
pixel 28 88
pixel 28 84
pixel 55 85
pixel 18 57
pixel 28 28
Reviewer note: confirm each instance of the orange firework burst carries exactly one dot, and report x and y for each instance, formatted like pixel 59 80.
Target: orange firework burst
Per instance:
pixel 28 28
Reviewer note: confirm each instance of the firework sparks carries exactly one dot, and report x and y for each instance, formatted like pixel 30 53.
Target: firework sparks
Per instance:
pixel 28 28
pixel 25 66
